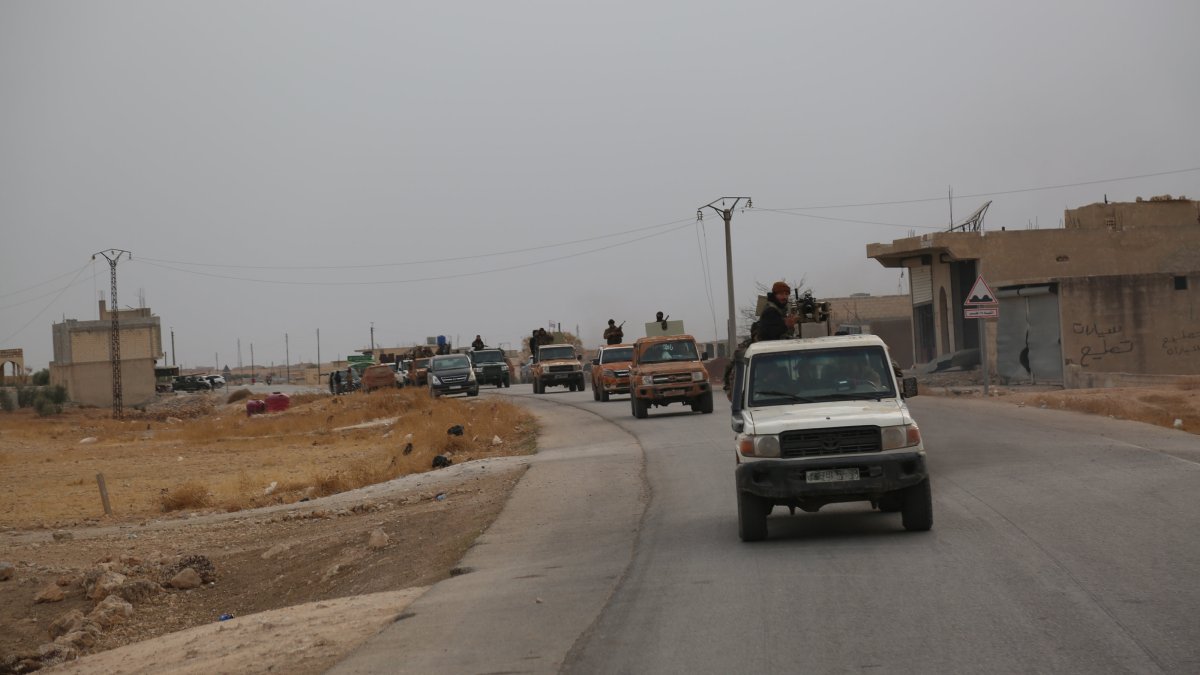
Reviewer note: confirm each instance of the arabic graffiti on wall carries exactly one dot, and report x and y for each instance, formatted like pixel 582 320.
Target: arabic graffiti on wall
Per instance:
pixel 1182 343
pixel 1110 343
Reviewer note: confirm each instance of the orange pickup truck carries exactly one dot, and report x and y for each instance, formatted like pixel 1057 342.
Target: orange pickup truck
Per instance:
pixel 667 369
pixel 610 371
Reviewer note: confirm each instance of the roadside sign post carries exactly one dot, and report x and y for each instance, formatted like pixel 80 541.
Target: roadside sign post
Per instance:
pixel 981 304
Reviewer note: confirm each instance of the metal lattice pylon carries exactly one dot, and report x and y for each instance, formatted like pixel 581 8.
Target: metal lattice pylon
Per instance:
pixel 114 343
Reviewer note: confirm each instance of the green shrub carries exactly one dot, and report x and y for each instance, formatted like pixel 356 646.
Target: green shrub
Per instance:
pixel 57 394
pixel 6 402
pixel 41 377
pixel 26 396
pixel 46 407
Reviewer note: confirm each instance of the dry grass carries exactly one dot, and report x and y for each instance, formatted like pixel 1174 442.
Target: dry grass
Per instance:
pixel 1159 406
pixel 230 460
pixel 190 495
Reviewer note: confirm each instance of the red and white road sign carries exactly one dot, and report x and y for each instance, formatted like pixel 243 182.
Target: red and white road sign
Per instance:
pixel 981 295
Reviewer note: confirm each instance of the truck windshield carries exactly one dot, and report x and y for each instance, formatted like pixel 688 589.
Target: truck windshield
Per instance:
pixel 450 362
pixel 551 353
pixel 616 355
pixel 677 350
pixel 487 357
pixel 813 375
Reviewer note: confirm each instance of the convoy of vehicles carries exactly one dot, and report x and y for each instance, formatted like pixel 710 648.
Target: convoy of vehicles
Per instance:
pixel 452 374
pixel 492 367
pixel 610 371
pixel 822 421
pixel 557 365
pixel 668 369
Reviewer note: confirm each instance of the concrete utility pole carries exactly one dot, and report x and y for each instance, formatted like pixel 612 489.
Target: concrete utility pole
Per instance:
pixel 287 358
pixel 173 345
pixel 372 339
pixel 727 215
pixel 318 355
pixel 112 255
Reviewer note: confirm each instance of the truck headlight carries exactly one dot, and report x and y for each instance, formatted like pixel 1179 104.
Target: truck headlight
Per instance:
pixel 504 368
pixel 433 379
pixel 765 445
pixel 471 376
pixel 647 380
pixel 900 436
pixel 608 373
pixel 699 376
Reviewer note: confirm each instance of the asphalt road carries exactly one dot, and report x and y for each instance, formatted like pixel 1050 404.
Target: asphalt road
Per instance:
pixel 1061 543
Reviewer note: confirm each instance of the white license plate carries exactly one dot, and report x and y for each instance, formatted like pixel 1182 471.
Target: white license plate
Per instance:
pixel 459 386
pixel 673 392
pixel 831 475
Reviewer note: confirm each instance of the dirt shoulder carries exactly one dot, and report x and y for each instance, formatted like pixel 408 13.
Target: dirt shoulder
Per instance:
pixel 1174 406
pixel 119 583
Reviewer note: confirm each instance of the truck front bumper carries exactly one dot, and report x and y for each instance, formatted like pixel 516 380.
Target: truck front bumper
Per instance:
pixel 787 479
pixel 662 394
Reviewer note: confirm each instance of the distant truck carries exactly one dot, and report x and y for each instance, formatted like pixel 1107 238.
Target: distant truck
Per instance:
pixel 823 421
pixel 491 367
pixel 665 370
pixel 610 371
pixel 557 366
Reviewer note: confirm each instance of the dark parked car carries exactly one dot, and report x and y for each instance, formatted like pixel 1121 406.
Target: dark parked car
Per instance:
pixel 452 374
pixel 191 383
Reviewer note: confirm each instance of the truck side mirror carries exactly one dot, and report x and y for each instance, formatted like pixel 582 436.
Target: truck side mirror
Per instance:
pixel 908 386
pixel 596 362
pixel 707 355
pixel 579 357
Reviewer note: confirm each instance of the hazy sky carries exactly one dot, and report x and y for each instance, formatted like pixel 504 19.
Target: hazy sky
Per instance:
pixel 236 147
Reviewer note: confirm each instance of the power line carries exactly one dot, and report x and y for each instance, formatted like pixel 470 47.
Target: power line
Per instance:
pixel 40 283
pixel 992 194
pixel 414 280
pixel 424 261
pixel 74 282
pixel 784 212
pixel 48 305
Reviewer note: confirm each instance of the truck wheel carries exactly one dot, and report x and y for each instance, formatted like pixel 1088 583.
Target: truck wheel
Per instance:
pixel 752 516
pixel 603 395
pixel 917 512
pixel 706 403
pixel 640 407
pixel 537 387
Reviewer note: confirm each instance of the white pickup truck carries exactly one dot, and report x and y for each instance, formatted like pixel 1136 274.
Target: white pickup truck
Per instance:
pixel 821 421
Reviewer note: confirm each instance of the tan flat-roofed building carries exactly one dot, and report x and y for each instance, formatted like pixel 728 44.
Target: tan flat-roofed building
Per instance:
pixel 81 357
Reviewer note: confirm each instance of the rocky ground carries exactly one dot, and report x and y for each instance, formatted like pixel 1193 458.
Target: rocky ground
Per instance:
pixel 77 588
pixel 68 593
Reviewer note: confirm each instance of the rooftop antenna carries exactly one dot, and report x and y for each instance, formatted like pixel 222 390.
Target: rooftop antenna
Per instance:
pixel 973 222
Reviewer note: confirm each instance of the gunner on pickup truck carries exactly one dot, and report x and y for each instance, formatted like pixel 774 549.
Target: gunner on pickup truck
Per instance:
pixel 774 323
pixel 613 335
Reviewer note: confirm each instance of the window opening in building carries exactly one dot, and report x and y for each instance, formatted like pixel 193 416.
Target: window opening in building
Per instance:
pixel 1181 283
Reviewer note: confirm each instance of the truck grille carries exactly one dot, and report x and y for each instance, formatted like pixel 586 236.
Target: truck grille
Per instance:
pixel 454 379
pixel 839 441
pixel 560 369
pixel 672 377
pixel 621 373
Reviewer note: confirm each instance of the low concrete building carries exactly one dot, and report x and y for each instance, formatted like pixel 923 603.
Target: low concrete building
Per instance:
pixel 81 357
pixel 1111 297
pixel 888 316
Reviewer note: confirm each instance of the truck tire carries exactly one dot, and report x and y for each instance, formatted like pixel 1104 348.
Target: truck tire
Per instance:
pixel 752 516
pixel 706 403
pixel 640 407
pixel 537 387
pixel 917 511
pixel 603 395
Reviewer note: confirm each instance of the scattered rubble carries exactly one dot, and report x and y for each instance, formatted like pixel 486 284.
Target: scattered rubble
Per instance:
pixel 378 540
